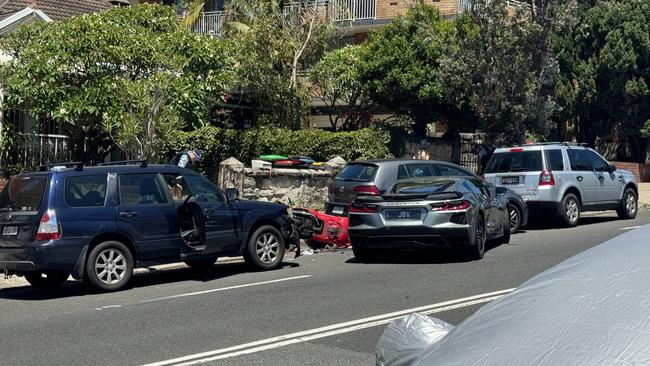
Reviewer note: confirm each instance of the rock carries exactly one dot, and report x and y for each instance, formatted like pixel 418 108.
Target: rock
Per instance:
pixel 337 162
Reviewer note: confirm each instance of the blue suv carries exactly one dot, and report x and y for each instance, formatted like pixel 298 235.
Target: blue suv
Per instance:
pixel 98 223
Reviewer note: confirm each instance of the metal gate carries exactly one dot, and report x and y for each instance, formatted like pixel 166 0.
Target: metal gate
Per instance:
pixel 469 143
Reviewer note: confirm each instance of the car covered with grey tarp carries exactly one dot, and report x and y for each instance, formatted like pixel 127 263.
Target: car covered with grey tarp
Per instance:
pixel 592 309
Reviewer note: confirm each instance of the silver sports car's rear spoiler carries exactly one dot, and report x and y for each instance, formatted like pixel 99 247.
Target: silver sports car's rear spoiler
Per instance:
pixel 409 197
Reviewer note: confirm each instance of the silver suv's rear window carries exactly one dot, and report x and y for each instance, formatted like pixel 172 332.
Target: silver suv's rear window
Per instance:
pixel 515 161
pixel 23 193
pixel 358 173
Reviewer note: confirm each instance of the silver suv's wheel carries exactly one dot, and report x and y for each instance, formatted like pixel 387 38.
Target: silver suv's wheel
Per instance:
pixel 570 210
pixel 629 205
pixel 514 215
pixel 109 266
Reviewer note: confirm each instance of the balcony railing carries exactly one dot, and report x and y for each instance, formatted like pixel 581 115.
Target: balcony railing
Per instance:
pixel 353 10
pixel 467 5
pixel 30 150
pixel 210 22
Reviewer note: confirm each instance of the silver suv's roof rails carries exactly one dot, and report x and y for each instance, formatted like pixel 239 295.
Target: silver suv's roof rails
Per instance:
pixel 556 143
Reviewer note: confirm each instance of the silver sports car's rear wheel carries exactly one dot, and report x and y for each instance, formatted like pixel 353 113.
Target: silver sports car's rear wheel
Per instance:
pixel 476 250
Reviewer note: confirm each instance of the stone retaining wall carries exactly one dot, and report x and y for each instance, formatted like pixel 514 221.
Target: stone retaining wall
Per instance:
pixel 294 187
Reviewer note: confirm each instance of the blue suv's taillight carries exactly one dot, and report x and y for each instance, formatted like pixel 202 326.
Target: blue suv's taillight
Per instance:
pixel 48 229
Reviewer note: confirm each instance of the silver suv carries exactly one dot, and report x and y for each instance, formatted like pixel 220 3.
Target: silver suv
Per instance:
pixel 567 178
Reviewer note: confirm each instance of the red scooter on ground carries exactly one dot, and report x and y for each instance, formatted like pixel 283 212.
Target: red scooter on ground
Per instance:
pixel 322 228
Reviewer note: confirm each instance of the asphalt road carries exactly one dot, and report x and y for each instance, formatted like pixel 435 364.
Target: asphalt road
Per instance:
pixel 325 308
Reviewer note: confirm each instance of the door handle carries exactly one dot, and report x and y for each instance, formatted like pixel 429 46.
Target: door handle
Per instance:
pixel 128 214
pixel 579 178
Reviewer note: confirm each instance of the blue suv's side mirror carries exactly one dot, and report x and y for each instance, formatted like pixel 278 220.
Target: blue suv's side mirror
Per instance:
pixel 232 194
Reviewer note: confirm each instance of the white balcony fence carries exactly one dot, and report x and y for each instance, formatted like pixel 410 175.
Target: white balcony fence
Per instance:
pixel 353 10
pixel 210 23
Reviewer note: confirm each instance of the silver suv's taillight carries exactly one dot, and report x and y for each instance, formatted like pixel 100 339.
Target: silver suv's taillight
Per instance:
pixel 546 178
pixel 48 229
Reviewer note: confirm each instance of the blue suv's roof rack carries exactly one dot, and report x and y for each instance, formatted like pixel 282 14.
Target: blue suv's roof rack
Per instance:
pixel 78 165
pixel 143 163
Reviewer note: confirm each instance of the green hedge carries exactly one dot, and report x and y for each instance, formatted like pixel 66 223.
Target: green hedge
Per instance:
pixel 219 144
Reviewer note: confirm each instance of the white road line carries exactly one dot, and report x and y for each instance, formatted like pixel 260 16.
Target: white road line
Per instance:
pixel 203 292
pixel 329 330
pixel 629 228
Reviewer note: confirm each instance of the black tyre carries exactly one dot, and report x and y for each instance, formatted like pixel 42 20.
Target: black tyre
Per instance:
pixel 360 253
pixel 514 216
pixel 109 266
pixel 201 264
pixel 507 229
pixel 629 205
pixel 47 279
pixel 570 210
pixel 265 248
pixel 476 250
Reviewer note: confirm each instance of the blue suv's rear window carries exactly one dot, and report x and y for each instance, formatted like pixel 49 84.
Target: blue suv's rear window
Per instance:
pixel 85 190
pixel 23 193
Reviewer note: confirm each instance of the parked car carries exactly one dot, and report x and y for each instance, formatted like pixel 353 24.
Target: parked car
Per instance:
pixel 565 178
pixel 430 212
pixel 591 309
pixel 375 177
pixel 99 223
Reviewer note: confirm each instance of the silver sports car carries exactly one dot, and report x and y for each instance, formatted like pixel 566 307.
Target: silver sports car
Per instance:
pixel 431 212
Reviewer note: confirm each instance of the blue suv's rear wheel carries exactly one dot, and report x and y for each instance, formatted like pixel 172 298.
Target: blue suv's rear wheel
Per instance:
pixel 109 266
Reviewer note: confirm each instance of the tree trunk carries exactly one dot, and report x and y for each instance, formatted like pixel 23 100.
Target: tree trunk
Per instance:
pixel 420 120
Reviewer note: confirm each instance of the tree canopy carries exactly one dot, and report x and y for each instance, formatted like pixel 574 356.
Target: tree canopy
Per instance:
pixel 401 65
pixel 604 78
pixel 87 72
pixel 336 81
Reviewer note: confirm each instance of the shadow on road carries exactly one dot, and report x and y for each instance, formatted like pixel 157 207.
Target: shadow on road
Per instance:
pixel 423 256
pixel 152 278
pixel 538 223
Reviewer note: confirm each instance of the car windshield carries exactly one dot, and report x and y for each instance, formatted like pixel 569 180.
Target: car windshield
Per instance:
pixel 426 186
pixel 23 193
pixel 358 173
pixel 521 161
